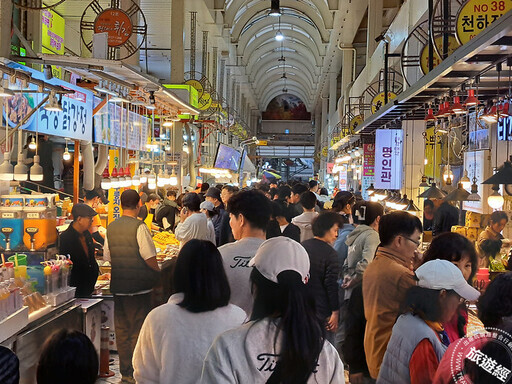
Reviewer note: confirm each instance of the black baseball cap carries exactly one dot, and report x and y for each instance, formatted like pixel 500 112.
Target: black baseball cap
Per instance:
pixel 82 210
pixel 213 192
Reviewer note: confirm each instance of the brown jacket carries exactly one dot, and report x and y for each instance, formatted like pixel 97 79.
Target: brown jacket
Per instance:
pixel 385 283
pixel 488 234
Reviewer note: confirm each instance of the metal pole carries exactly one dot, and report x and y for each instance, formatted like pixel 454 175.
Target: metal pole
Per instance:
pixel 386 70
pixel 446 24
pixel 76 172
pixel 430 36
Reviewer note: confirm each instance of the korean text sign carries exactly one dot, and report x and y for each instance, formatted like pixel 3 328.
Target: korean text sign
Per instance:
pixel 368 159
pixel 388 158
pixel 75 120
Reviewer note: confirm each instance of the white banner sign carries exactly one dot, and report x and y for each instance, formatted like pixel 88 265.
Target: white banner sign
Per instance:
pixel 474 163
pixel 388 158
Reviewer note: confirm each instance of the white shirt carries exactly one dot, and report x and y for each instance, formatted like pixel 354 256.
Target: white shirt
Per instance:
pixel 173 342
pixel 236 257
pixel 248 354
pixel 194 227
pixel 147 248
pixel 211 231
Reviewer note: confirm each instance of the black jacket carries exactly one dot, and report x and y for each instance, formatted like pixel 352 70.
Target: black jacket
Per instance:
pixel 217 222
pixel 292 231
pixel 294 210
pixel 169 210
pixel 226 234
pixel 85 269
pixel 355 324
pixel 324 269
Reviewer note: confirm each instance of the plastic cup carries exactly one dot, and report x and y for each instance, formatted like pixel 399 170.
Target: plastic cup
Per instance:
pixel 20 271
pixel 22 259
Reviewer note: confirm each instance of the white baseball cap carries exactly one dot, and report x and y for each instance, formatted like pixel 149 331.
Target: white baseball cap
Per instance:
pixel 208 205
pixel 442 274
pixel 280 254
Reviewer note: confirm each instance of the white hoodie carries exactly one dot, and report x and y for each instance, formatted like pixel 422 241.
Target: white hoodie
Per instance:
pixel 248 355
pixel 303 221
pixel 173 342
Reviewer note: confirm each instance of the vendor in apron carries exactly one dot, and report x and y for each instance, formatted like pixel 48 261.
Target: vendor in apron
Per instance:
pixel 145 211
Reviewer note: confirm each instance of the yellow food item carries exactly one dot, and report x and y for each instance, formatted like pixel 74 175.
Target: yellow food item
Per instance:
pixel 459 229
pixel 472 233
pixel 473 219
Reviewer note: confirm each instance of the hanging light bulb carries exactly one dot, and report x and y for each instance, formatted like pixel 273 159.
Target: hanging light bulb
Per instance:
pixel 279 36
pixel 32 145
pixel 430 115
pixel 128 177
pixel 160 181
pixel 20 170
pixel 54 104
pixel 457 107
pixel 474 196
pixel 466 183
pixel 423 181
pixel 173 179
pixel 36 171
pixel 143 178
pixel 167 123
pixel 275 9
pixel 495 200
pixel 66 156
pixel 6 169
pixel 448 174
pixel 106 183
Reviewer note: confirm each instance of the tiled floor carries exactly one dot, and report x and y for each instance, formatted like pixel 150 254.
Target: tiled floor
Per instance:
pixel 114 367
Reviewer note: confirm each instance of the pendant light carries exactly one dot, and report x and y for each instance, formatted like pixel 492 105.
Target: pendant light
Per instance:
pixel 433 193
pixel 275 9
pixel 136 178
pixel 160 182
pixel 423 181
pixel 495 200
pixel 466 183
pixel 120 177
pixel 106 183
pixel 4 89
pixel 36 171
pixel 32 145
pixel 430 115
pixel 471 101
pixel 370 190
pixel 402 203
pixel 457 107
pixel 66 156
pixel 474 196
pixel 20 170
pixel 128 177
pixel 114 180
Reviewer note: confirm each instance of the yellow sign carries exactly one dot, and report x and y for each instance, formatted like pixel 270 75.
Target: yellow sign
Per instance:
pixel 476 15
pixel 325 151
pixel 262 142
pixel 205 101
pixel 197 85
pixel 453 44
pixel 114 203
pixel 379 99
pixel 52 31
pixel 355 122
pixel 430 148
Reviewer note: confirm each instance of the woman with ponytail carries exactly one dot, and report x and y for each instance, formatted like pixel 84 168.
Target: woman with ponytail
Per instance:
pixel 285 341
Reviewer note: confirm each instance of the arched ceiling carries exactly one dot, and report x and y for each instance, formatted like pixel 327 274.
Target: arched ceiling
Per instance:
pixel 306 25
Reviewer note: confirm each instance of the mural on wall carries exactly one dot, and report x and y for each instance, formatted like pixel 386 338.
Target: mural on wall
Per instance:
pixel 286 107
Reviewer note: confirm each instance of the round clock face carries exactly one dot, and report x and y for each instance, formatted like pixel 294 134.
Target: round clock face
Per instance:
pixel 118 23
pixel 37 4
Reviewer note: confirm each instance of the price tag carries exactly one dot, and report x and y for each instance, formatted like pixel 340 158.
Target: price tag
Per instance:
pixel 32 215
pixel 8 215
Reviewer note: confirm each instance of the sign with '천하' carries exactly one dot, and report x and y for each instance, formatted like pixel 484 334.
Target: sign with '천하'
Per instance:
pixel 388 158
pixel 476 15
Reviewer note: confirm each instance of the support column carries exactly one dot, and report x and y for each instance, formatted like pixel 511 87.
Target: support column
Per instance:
pixel 375 13
pixel 347 71
pixel 5 27
pixel 177 47
pixel 135 58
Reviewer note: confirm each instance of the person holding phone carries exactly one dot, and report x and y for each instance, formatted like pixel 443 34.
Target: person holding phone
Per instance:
pixel 193 223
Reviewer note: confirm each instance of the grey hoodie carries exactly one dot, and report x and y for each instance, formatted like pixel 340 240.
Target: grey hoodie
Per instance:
pixel 303 221
pixel 362 244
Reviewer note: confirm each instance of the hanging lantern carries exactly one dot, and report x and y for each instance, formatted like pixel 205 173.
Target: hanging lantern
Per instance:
pixel 471 100
pixel 495 200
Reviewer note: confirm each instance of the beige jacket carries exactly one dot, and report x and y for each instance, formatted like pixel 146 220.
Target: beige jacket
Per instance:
pixel 385 283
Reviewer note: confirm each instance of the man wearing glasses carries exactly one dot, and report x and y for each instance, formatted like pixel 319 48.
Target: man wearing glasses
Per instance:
pixel 386 281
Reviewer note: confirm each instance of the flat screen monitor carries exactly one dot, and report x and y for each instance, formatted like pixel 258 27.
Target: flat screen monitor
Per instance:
pixel 227 158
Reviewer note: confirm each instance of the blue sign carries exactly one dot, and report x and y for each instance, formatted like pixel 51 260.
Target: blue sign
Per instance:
pixel 75 120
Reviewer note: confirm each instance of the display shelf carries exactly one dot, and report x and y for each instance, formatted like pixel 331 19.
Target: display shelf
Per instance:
pixel 13 324
pixel 36 315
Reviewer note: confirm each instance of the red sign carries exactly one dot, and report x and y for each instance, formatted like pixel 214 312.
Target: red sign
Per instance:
pixel 117 24
pixel 369 160
pixel 330 166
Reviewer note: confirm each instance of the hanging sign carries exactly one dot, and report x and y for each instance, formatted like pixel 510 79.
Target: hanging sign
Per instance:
pixel 342 182
pixel 116 23
pixel 355 122
pixel 368 159
pixel 432 148
pixel 205 101
pixel 505 129
pixel 453 44
pixel 366 181
pixel 388 158
pixel 379 99
pixel 114 201
pixel 52 31
pixel 476 15
pixel 329 168
pixel 75 120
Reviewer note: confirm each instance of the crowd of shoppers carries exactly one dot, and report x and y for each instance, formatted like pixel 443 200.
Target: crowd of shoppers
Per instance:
pixel 272 287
